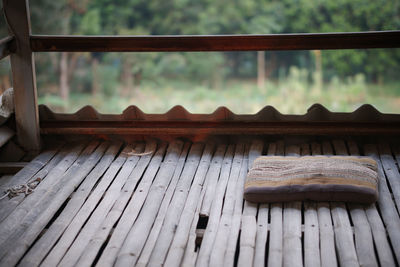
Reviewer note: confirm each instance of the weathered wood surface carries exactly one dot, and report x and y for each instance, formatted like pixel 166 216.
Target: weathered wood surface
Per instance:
pixel 216 209
pixel 5 135
pixel 292 247
pixel 158 223
pixel 7 46
pixel 144 209
pixel 386 204
pixel 168 43
pixel 23 72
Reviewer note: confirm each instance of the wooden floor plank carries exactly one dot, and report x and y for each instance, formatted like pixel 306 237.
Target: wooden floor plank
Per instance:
pixel 237 212
pixel 292 247
pixel 341 223
pixel 38 167
pixel 248 235
pixel 386 204
pixel 225 223
pixel 127 227
pixel 177 248
pixel 275 257
pixel 391 171
pixel 176 205
pixel 215 168
pixel 158 200
pixel 40 249
pixel 261 235
pixel 8 225
pixel 363 233
pixel 74 224
pixel 326 234
pixel 312 255
pixel 149 165
pixel 155 230
pixel 215 212
pixel 56 196
pixel 129 176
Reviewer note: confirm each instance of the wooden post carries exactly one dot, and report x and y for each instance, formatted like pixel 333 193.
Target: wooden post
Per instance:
pixel 23 71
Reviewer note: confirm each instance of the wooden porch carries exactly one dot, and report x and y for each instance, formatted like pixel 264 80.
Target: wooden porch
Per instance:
pixel 155 203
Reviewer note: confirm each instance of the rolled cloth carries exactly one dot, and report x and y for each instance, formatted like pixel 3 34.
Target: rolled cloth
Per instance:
pixel 320 178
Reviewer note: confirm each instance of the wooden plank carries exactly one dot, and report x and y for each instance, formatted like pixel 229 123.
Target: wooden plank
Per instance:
pixel 40 165
pixel 7 46
pixel 312 255
pixel 178 201
pixel 382 246
pixel 41 248
pixel 205 128
pixel 292 248
pixel 386 205
pixel 158 223
pixel 391 171
pixel 83 227
pixel 276 232
pixel 5 135
pixel 229 259
pixel 56 196
pixel 177 248
pixel 362 231
pixel 8 225
pixel 99 238
pixel 225 223
pixel 149 201
pixel 261 236
pixel 326 234
pixel 248 235
pixel 215 168
pixel 341 223
pixel 186 43
pixel 135 239
pixel 80 249
pixel 258 247
pixel 23 72
pixel 12 167
pixel 215 212
pixel 190 255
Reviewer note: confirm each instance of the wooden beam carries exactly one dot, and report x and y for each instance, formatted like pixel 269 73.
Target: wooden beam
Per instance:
pixel 168 43
pixel 7 46
pixel 23 70
pixel 199 128
pixel 11 167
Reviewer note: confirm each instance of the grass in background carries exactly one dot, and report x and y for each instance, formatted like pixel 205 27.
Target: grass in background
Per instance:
pixel 293 95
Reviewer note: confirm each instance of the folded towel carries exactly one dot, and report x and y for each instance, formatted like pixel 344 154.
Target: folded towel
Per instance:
pixel 321 178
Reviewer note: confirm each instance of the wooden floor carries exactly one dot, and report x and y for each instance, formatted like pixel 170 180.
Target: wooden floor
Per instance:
pixel 159 204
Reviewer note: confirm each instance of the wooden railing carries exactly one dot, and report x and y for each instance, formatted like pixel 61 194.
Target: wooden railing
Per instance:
pixel 22 45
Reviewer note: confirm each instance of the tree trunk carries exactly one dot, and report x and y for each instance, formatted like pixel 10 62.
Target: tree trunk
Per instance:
pixel 260 69
pixel 95 80
pixel 64 85
pixel 127 78
pixel 318 68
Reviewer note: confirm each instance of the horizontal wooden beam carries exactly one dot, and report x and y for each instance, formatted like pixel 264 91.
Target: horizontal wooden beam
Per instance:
pixel 11 167
pixel 185 43
pixel 195 128
pixel 7 46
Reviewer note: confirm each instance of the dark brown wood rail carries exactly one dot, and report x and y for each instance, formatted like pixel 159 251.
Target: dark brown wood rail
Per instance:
pixel 7 46
pixel 193 43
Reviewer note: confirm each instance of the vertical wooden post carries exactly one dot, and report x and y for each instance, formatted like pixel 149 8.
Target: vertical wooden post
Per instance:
pixel 23 73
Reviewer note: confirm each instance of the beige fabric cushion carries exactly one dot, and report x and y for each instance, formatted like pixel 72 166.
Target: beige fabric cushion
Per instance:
pixel 321 178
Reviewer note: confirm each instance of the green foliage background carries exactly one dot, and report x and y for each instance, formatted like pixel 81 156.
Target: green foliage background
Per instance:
pixel 128 74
